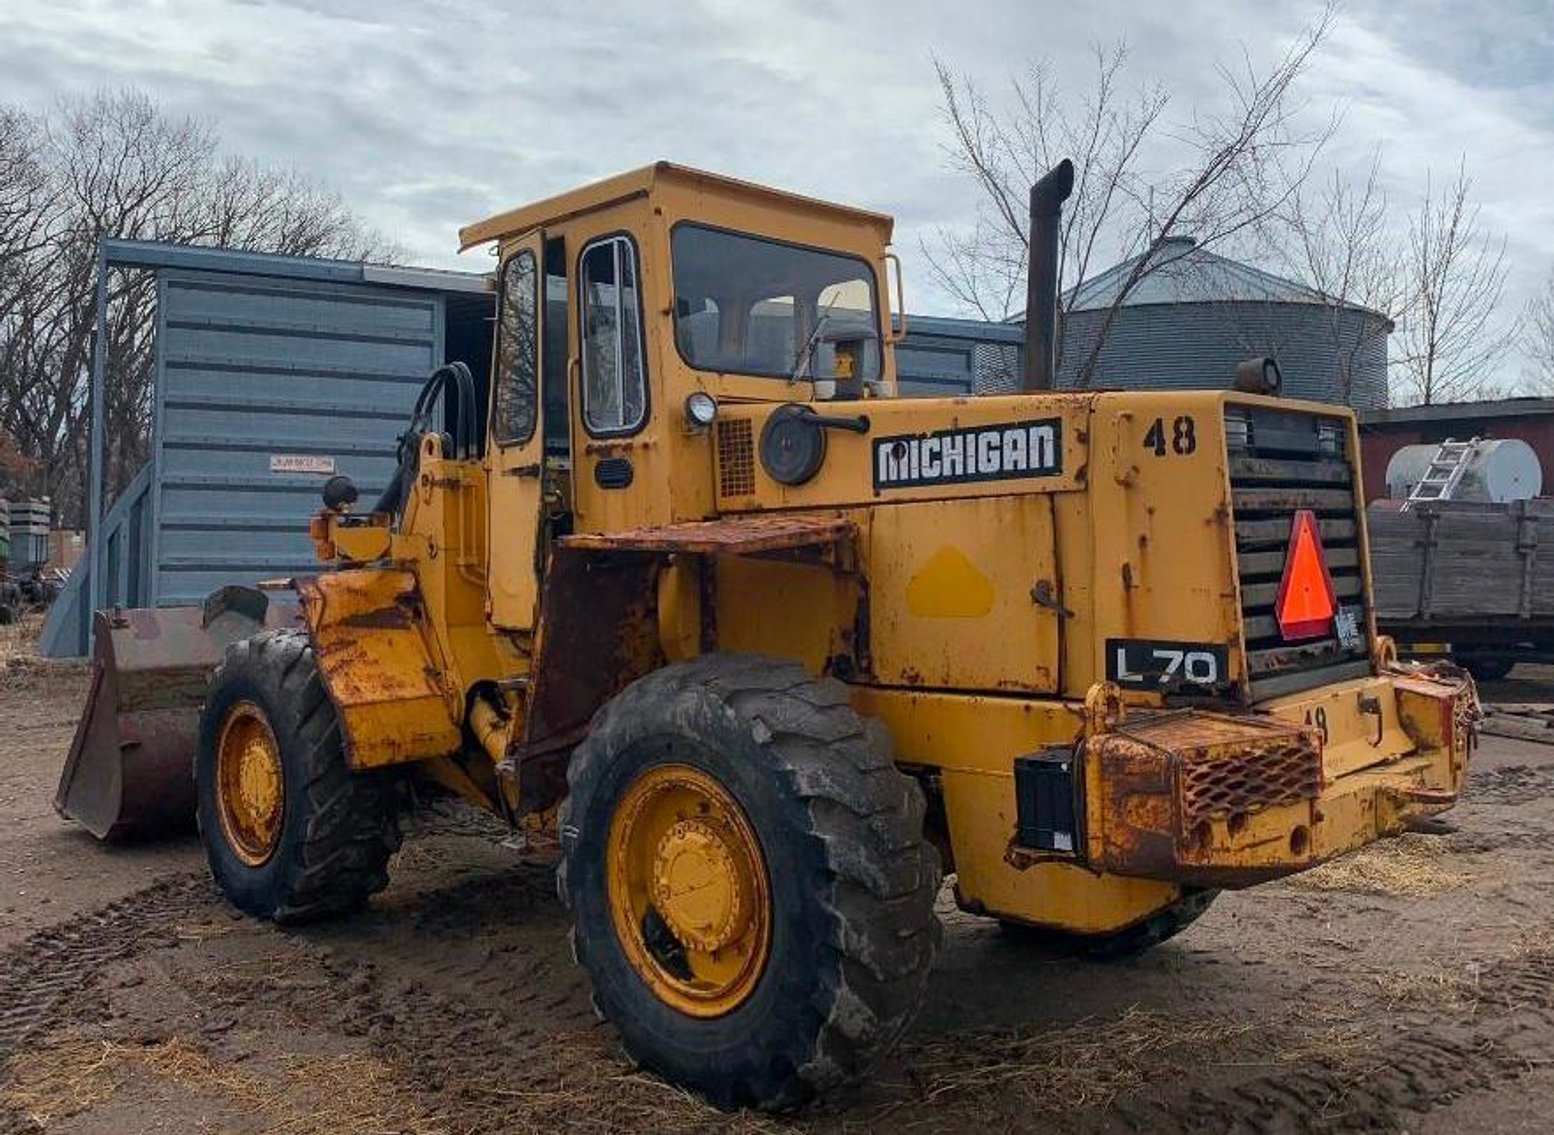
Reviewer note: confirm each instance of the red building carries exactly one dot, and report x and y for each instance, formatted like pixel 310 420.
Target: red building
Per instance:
pixel 1384 432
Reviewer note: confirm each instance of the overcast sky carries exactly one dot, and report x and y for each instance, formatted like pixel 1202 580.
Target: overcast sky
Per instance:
pixel 427 114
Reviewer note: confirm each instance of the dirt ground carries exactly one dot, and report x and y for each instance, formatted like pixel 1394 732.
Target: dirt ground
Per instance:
pixel 1410 988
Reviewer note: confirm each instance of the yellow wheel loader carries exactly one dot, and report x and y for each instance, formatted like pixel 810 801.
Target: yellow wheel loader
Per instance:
pixel 783 646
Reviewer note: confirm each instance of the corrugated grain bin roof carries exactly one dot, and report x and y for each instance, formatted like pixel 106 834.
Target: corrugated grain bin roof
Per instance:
pixel 1185 273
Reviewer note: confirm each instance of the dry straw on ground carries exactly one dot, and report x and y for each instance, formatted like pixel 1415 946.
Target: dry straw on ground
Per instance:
pixel 20 665
pixel 336 1094
pixel 1434 990
pixel 581 1085
pixel 1083 1065
pixel 1411 865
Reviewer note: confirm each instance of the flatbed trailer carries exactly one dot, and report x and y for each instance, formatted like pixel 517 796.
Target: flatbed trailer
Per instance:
pixel 1474 580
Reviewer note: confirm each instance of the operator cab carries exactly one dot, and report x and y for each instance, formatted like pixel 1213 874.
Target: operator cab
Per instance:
pixel 629 312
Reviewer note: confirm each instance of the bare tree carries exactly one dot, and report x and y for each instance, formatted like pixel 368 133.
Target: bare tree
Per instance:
pixel 1338 240
pixel 1140 180
pixel 1537 337
pixel 1454 272
pixel 116 165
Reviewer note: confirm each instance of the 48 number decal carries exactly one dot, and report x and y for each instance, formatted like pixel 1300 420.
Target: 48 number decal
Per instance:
pixel 1182 435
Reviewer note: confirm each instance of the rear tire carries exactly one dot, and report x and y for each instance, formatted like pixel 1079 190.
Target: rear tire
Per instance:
pixel 849 880
pixel 329 849
pixel 1128 942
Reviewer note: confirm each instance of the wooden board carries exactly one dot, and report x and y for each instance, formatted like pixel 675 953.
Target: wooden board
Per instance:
pixel 1459 562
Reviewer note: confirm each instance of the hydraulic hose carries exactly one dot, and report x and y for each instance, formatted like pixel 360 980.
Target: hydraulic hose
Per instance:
pixel 457 386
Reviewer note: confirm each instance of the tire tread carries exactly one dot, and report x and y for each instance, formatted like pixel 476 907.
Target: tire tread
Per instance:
pixel 881 876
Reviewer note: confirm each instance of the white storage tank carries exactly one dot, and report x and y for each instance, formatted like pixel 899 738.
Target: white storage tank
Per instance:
pixel 1500 470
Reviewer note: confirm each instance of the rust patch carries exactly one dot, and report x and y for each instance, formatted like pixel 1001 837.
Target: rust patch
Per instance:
pixel 730 535
pixel 128 771
pixel 1177 788
pixel 598 633
pixel 383 618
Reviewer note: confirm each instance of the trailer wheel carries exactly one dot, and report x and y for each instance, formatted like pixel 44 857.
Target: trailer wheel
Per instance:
pixel 750 888
pixel 1486 667
pixel 1128 942
pixel 290 831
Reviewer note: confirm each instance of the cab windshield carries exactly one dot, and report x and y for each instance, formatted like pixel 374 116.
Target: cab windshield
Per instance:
pixel 751 305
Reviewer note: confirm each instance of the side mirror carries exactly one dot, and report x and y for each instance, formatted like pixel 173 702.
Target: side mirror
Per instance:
pixel 340 493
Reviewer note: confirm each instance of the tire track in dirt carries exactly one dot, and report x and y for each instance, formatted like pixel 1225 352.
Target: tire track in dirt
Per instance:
pixel 46 971
pixel 42 972
pixel 1411 1072
pixel 1510 784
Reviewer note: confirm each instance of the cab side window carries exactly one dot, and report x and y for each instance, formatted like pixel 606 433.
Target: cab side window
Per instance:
pixel 518 359
pixel 614 381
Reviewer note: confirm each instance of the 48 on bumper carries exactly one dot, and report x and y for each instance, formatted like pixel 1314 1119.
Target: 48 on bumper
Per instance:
pixel 1219 800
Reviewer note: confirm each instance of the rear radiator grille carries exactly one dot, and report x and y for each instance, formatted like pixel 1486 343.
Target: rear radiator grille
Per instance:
pixel 1270 480
pixel 736 458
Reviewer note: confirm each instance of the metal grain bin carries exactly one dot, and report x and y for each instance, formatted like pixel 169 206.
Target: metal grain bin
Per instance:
pixel 1196 315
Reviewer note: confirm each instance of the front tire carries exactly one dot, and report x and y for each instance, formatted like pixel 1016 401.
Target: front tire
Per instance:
pixel 751 891
pixel 290 830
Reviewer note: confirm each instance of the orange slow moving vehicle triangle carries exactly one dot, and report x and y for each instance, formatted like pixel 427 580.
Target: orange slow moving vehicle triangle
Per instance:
pixel 1306 603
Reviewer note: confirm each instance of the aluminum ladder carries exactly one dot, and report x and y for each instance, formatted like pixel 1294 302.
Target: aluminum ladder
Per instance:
pixel 1443 474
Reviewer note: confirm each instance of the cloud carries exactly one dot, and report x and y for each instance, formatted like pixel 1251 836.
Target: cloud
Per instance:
pixel 427 114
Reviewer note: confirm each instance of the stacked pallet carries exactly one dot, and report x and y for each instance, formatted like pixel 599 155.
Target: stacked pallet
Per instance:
pixel 29 522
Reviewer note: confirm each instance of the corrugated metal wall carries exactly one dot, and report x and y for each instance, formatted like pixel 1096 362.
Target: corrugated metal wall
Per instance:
pixel 254 374
pixel 1190 345
pixel 944 357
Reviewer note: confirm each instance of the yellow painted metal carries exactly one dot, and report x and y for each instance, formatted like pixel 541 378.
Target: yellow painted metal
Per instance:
pixel 789 610
pixel 684 864
pixel 680 608
pixel 848 476
pixel 799 212
pixel 250 788
pixel 1355 739
pixel 970 742
pixel 372 647
pixel 951 607
pixel 971 616
pixel 515 471
pixel 352 543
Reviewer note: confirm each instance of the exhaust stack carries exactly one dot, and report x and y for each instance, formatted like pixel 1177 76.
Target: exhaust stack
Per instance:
pixel 1041 283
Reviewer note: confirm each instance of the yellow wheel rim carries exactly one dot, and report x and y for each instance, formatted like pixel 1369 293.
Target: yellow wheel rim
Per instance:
pixel 688 890
pixel 250 794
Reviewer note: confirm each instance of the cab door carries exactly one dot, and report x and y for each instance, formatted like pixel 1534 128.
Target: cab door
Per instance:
pixel 517 449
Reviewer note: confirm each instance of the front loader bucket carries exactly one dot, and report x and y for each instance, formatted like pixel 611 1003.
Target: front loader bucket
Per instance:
pixel 130 769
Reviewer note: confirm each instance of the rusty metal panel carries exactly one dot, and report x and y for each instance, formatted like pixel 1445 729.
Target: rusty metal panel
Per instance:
pixel 370 639
pixel 1178 790
pixel 130 765
pixel 731 535
pixel 598 633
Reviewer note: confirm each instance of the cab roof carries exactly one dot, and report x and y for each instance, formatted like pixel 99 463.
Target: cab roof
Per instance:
pixel 642 183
